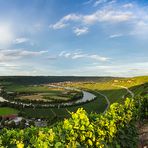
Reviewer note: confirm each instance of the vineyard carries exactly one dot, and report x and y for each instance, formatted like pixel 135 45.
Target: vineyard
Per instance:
pixel 115 128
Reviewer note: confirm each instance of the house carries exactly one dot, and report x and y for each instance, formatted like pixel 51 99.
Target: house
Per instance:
pixel 17 120
pixel 9 117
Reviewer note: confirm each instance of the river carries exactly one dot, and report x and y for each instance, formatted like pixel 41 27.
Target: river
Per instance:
pixel 87 96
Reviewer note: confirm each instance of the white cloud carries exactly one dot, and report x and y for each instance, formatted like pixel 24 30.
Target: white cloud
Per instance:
pixel 20 40
pixel 31 53
pixel 87 2
pixel 116 35
pixel 99 58
pixel 133 18
pixel 63 22
pixel 128 5
pixel 80 31
pixel 77 56
pixel 102 15
pixel 58 25
pixel 112 2
pixel 80 55
pixel 98 2
pixel 131 69
pixel 67 55
pixel 71 17
pixel 9 55
pixel 106 15
pixel 129 14
pixel 8 65
pixel 62 53
pixel 115 16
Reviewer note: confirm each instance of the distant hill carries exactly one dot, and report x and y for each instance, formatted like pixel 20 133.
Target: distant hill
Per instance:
pixel 51 79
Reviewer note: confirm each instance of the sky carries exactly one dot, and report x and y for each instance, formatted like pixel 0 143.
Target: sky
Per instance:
pixel 74 37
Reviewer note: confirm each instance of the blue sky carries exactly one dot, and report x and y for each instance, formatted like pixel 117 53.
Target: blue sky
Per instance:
pixel 74 37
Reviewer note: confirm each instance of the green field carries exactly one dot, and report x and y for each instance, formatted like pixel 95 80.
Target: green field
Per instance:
pixel 28 88
pixel 41 93
pixel 109 88
pixel 7 111
pixel 112 88
pixel 97 106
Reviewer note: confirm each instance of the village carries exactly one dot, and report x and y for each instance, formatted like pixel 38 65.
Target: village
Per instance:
pixel 16 121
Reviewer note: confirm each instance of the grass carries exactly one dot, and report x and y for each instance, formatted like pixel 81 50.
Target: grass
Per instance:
pixel 115 95
pixel 7 111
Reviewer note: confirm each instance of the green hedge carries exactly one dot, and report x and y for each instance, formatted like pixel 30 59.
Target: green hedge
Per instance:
pixel 114 129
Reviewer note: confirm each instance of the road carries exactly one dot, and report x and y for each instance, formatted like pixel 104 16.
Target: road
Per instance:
pixel 129 91
pixel 107 100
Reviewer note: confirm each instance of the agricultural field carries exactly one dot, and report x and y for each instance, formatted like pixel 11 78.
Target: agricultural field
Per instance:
pixel 43 93
pixel 110 88
pixel 115 89
pixel 27 88
pixel 7 111
pixel 113 93
pixel 98 106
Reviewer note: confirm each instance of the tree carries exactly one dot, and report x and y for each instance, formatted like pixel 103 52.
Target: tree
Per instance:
pixel 22 124
pixel 31 123
pixel 12 124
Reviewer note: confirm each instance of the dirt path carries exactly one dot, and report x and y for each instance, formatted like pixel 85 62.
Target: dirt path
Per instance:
pixel 107 100
pixel 143 135
pixel 127 89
